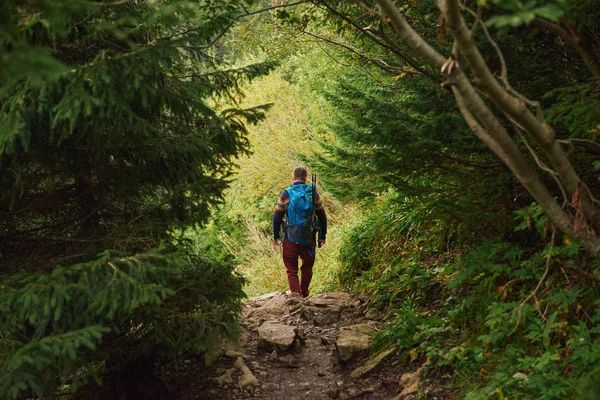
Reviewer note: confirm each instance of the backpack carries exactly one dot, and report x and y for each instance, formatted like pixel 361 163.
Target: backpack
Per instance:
pixel 299 214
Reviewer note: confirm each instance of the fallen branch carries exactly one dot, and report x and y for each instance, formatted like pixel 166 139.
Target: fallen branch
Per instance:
pixel 584 274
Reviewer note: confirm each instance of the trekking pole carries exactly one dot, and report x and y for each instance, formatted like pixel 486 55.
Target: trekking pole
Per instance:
pixel 315 224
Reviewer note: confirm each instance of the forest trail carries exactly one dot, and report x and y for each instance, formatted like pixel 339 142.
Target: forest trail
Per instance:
pixel 315 348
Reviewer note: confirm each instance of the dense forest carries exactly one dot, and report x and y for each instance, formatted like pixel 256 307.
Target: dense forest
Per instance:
pixel 143 145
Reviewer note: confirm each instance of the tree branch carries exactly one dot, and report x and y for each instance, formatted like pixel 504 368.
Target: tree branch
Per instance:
pixel 542 165
pixel 583 273
pixel 385 43
pixel 571 35
pixel 411 38
pixel 388 68
pixel 489 130
pixel 486 125
pixel 513 107
pixel 554 28
pixel 232 22
pixel 503 68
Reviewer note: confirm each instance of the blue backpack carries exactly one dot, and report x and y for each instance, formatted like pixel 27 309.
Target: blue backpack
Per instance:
pixel 299 214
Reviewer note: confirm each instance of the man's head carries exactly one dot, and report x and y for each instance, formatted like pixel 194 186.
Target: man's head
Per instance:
pixel 299 174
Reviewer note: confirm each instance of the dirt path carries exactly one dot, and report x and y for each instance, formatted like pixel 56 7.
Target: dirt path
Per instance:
pixel 295 348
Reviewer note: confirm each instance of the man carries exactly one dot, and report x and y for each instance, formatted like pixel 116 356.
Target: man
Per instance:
pixel 299 241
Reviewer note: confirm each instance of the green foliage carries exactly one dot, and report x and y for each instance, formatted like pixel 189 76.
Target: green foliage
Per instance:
pixel 242 225
pixel 63 323
pixel 391 254
pixel 576 109
pixel 129 131
pixel 113 135
pixel 393 133
pixel 476 323
pixel 437 244
pixel 119 124
pixel 401 331
pixel 463 310
pixel 523 13
pixel 532 217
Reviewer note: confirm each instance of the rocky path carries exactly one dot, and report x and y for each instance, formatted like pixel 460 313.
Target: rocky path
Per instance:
pixel 315 348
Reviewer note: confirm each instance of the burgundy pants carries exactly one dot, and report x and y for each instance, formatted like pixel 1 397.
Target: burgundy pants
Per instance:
pixel 291 252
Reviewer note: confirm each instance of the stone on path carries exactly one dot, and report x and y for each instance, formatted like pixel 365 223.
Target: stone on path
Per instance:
pixel 410 382
pixel 326 309
pixel 225 378
pixel 235 354
pixel 260 300
pixel 247 378
pixel 270 306
pixel 353 340
pixel 361 392
pixel 521 376
pixel 372 363
pixel 277 323
pixel 277 335
pixel 334 299
pixel 273 357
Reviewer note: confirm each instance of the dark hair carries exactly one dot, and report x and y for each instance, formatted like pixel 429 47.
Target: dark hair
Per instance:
pixel 300 173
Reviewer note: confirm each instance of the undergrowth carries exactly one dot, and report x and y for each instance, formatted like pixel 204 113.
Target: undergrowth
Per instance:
pixel 260 262
pixel 482 312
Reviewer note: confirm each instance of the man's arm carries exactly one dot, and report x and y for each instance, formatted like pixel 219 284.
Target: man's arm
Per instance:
pixel 277 219
pixel 280 208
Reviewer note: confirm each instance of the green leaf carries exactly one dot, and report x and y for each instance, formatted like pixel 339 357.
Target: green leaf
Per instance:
pixel 549 11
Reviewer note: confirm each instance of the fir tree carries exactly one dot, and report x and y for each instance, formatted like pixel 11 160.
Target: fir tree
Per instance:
pixel 112 136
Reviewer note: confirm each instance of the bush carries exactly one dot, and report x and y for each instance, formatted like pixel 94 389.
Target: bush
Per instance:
pixel 65 327
pixel 112 139
pixel 498 341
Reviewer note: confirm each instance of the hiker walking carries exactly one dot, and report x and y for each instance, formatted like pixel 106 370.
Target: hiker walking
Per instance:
pixel 300 203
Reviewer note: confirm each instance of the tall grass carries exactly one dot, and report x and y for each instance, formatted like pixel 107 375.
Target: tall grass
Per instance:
pixel 291 131
pixel 261 262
